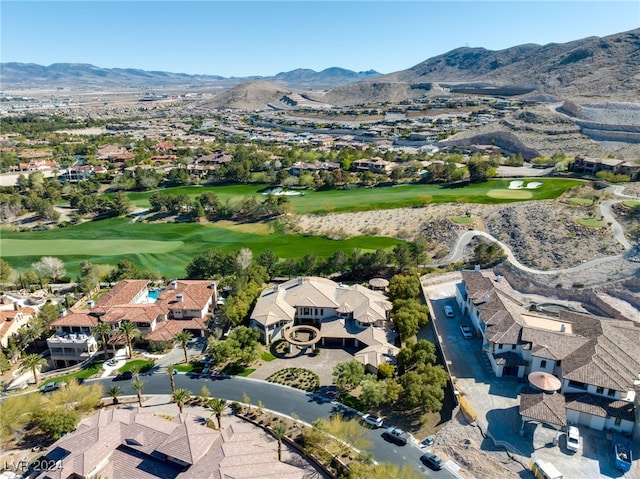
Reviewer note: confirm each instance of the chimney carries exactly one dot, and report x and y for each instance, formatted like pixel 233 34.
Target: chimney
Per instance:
pixel 498 278
pixel 91 303
pixel 63 312
pixel 486 298
pixel 174 283
pixel 179 298
pixel 563 328
pixel 476 267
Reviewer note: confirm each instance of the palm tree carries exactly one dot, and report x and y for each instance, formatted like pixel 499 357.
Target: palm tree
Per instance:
pixel 33 362
pixel 137 385
pixel 180 396
pixel 279 430
pixel 114 392
pixel 130 331
pixel 135 370
pixel 169 369
pixel 183 337
pixel 102 330
pixel 217 406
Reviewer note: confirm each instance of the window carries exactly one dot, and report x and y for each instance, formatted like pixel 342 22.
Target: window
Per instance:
pixel 321 311
pixel 618 421
pixel 611 392
pixel 577 385
pixel 500 346
pixel 599 390
pixel 543 363
pixel 513 346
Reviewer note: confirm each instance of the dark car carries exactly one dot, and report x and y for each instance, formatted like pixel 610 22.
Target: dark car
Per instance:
pixel 432 460
pixel 396 436
pixel 124 376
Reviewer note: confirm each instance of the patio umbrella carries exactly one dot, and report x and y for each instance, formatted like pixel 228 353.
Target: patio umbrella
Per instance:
pixel 544 381
pixel 379 283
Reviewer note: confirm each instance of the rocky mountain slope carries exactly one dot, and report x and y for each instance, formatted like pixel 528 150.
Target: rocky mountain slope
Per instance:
pixel 590 69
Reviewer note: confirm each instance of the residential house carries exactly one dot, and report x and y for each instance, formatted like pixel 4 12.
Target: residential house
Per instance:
pixel 80 173
pixel 183 306
pixel 591 166
pixel 12 318
pixel 374 165
pixel 125 443
pixel 596 359
pixel 346 315
pixel 301 167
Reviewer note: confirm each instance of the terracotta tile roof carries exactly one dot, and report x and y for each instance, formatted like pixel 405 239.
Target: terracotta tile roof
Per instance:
pixel 167 330
pixel 609 358
pixel 196 294
pixel 136 313
pixel 122 293
pixel 540 406
pixel 600 406
pixel 133 444
pixel 77 317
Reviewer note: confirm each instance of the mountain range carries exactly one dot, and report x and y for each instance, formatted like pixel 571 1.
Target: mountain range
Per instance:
pixel 589 69
pixel 81 75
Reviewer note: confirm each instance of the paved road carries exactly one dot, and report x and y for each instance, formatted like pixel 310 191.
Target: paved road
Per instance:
pixel 308 407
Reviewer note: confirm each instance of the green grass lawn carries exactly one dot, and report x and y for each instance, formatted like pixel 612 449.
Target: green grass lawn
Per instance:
pixel 591 223
pixel 462 219
pixel 631 203
pixel 580 201
pixel 184 368
pixel 265 356
pixel 91 370
pixel 168 247
pixel 163 247
pixel 143 364
pixel 363 199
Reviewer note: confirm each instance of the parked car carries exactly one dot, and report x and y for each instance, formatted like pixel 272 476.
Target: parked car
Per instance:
pixel 466 332
pixel 395 435
pixel 372 420
pixel 448 311
pixel 47 388
pixel 432 460
pixel 124 376
pixel 573 439
pixel 428 441
pixel 112 362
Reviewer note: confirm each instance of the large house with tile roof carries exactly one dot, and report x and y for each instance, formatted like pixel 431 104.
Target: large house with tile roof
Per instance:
pixel 128 443
pixel 346 315
pixel 182 306
pixel 596 359
pixel 12 318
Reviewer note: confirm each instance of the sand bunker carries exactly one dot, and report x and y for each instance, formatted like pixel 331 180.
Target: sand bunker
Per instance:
pixel 510 194
pixel 519 184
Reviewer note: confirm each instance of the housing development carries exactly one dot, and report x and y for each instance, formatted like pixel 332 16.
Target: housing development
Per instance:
pixel 353 276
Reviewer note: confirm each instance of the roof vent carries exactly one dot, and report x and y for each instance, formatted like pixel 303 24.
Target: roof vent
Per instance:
pixel 486 298
pixel 179 298
pixel 476 267
pixel 498 278
pixel 563 328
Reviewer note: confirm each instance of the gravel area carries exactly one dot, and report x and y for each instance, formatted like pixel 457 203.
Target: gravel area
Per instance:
pixel 533 230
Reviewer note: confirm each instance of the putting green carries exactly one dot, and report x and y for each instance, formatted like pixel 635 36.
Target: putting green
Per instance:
pixel 510 194
pixel 94 247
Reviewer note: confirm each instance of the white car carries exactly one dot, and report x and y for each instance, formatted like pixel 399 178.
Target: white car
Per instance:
pixel 466 332
pixel 448 311
pixel 573 439
pixel 372 420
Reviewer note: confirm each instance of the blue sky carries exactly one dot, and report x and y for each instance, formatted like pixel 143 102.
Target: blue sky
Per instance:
pixel 242 38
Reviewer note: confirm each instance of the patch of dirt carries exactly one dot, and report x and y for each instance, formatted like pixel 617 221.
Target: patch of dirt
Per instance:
pixel 532 230
pixel 464 444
